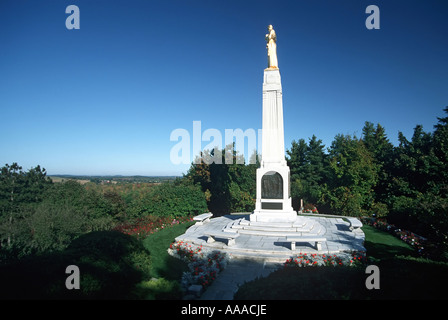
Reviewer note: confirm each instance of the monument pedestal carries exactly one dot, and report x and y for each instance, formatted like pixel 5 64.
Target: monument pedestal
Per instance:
pixel 273 202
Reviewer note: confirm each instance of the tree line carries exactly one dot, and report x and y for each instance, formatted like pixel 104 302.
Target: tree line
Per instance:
pixel 38 216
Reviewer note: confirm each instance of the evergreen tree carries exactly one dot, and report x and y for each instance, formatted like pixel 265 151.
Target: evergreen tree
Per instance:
pixel 199 173
pixel 316 159
pixel 230 184
pixel 296 159
pixel 21 188
pixel 308 167
pixel 413 163
pixel 353 174
pixel 376 141
pixel 440 160
pixel 17 190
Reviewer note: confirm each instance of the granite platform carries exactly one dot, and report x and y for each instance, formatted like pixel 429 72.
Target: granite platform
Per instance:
pixel 267 242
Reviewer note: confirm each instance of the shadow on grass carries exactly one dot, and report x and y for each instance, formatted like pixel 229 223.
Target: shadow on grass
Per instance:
pixel 402 276
pixel 312 283
pixel 382 245
pixel 162 264
pixel 110 265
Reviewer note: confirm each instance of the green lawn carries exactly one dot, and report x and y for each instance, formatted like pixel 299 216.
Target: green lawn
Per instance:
pixel 402 276
pixel 382 245
pixel 165 269
pixel 162 264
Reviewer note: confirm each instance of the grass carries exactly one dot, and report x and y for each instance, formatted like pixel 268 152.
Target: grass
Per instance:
pixel 402 276
pixel 165 269
pixel 382 245
pixel 162 264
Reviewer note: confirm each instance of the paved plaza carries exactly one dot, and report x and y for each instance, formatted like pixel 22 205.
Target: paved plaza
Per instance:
pixel 261 243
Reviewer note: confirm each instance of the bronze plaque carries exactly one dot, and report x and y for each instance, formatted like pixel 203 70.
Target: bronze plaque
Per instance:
pixel 272 186
pixel 272 205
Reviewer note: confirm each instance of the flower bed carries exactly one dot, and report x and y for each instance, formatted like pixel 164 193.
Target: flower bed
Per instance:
pixel 354 258
pixel 203 266
pixel 419 243
pixel 143 227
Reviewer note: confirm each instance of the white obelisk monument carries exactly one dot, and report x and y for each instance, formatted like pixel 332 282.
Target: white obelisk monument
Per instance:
pixel 273 202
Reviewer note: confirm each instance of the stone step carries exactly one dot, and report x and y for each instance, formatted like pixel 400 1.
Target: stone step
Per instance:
pixel 297 224
pixel 309 228
pixel 275 229
pixel 262 229
pixel 268 229
pixel 266 224
pixel 276 233
pixel 268 233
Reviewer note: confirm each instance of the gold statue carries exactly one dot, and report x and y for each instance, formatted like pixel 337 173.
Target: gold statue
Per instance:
pixel 271 39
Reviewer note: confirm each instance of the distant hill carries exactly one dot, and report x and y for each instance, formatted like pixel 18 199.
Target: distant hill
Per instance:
pixel 113 179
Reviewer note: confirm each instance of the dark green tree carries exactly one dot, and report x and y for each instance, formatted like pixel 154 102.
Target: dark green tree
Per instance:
pixel 431 212
pixel 353 174
pixel 11 184
pixel 316 169
pixel 296 159
pixel 376 141
pixel 242 188
pixel 411 176
pixel 440 160
pixel 19 189
pixel 228 182
pixel 308 165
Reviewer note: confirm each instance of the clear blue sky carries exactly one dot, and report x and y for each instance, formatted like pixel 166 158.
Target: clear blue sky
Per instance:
pixel 104 99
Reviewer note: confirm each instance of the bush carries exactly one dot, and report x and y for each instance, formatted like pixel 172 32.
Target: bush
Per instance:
pixel 433 219
pixel 42 229
pixel 379 210
pixel 110 264
pixel 171 200
pixel 145 226
pixel 113 246
pixel 85 201
pixel 53 228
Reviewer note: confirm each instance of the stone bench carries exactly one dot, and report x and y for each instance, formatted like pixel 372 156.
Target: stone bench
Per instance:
pixel 202 218
pixel 229 236
pixel 354 223
pixel 316 239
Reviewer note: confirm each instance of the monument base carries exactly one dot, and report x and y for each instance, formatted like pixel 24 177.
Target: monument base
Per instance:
pixel 267 210
pixel 273 203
